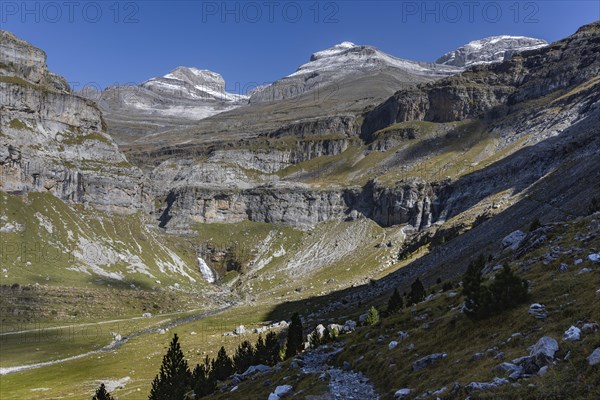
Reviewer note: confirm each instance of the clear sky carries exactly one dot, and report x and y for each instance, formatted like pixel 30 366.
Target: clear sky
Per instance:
pixel 254 42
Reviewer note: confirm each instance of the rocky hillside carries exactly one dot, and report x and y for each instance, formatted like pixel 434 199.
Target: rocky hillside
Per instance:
pixel 547 347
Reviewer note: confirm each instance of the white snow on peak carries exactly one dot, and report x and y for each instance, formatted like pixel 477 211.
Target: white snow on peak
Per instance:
pixel 337 49
pixel 347 56
pixel 197 84
pixel 489 50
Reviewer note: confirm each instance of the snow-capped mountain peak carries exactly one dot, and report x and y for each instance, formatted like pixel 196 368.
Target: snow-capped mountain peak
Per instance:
pixel 335 50
pixel 490 49
pixel 193 84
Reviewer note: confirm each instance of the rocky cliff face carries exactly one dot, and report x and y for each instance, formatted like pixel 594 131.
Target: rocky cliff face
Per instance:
pixel 489 50
pixel 415 203
pixel 490 90
pixel 54 141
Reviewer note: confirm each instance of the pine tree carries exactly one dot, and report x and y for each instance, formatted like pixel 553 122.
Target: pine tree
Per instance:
pixel 294 337
pixel 273 349
pixel 260 352
pixel 481 301
pixel 243 357
pixel 417 292
pixel 326 336
pixel 222 366
pixel 173 379
pixel 395 303
pixel 314 339
pixel 102 394
pixel 507 290
pixel 202 381
pixel 372 317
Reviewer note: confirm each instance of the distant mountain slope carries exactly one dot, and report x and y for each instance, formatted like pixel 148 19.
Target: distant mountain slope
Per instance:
pixel 341 62
pixel 179 98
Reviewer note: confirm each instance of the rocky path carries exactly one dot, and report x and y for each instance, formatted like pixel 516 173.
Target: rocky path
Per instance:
pixel 343 383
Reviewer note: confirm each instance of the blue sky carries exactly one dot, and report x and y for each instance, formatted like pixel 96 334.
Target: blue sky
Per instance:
pixel 254 42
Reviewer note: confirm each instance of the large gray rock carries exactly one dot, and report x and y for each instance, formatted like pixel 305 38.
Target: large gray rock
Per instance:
pixel 538 311
pixel 594 358
pixel 512 370
pixel 402 393
pixel 482 386
pixel 544 350
pixel 572 334
pixel 513 240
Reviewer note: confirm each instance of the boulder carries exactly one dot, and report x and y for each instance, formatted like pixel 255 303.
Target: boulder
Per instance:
pixel 595 257
pixel 513 371
pixel 528 364
pixel 402 393
pixel 280 392
pixel 240 330
pixel 393 344
pixel 349 326
pixel 572 334
pixel 474 386
pixel 255 369
pixel 428 360
pixel 320 329
pixel 403 335
pixel 543 351
pixel 538 311
pixel 590 327
pixel 594 358
pixel 513 240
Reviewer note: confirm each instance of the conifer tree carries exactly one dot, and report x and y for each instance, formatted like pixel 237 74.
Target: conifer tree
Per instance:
pixel 273 349
pixel 372 317
pixel 395 303
pixel 294 337
pixel 243 357
pixel 260 351
pixel 222 366
pixel 417 292
pixel 102 393
pixel 202 381
pixel 173 379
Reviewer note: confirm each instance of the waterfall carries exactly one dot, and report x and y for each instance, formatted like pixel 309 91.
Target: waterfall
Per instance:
pixel 207 273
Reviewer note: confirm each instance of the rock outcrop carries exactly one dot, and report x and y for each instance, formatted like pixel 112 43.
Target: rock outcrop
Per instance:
pixel 55 141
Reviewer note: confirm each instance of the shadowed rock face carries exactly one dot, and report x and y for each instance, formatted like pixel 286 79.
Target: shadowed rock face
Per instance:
pixel 55 141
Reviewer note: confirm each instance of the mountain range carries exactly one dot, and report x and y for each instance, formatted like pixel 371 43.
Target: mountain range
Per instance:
pixel 176 203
